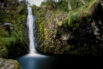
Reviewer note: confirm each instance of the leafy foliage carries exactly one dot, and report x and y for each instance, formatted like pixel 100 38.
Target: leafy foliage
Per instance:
pixel 13 33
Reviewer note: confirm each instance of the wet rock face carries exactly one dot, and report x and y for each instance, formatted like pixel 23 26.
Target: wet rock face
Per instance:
pixel 81 33
pixel 89 33
pixel 98 20
pixel 9 64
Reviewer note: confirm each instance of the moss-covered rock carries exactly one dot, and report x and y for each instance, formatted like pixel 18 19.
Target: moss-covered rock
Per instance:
pixel 47 22
pixel 9 64
pixel 13 33
pixel 76 33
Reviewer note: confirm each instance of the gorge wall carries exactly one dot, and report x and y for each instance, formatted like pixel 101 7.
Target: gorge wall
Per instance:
pixel 13 32
pixel 78 32
pixel 13 38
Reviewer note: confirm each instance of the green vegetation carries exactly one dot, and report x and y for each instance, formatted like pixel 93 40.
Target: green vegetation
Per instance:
pixel 12 36
pixel 60 31
pixel 44 29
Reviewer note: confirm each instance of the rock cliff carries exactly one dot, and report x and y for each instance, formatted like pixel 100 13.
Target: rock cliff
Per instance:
pixel 78 32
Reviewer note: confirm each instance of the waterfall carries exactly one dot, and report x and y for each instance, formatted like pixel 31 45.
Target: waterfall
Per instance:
pixel 31 33
pixel 30 25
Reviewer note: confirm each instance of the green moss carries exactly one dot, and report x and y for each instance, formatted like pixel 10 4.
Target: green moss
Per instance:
pixel 53 23
pixel 16 30
pixel 75 16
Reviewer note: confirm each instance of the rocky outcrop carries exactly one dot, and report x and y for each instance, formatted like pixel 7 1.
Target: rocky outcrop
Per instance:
pixel 13 33
pixel 86 36
pixel 9 64
pixel 79 33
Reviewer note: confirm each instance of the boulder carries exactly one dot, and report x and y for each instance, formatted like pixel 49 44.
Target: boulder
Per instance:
pixel 9 64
